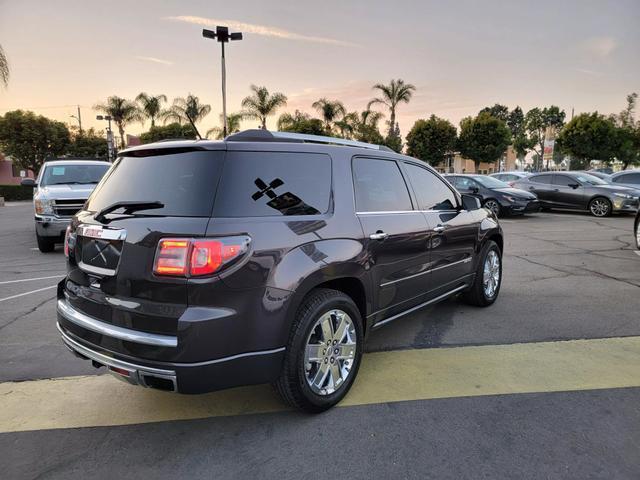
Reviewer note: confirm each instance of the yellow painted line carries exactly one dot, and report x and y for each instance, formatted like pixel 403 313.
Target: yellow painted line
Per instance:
pixel 90 401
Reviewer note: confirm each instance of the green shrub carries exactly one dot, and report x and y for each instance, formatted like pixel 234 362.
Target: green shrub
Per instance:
pixel 12 193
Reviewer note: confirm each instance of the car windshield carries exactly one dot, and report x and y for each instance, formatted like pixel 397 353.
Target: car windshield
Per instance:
pixel 73 174
pixel 590 179
pixel 490 182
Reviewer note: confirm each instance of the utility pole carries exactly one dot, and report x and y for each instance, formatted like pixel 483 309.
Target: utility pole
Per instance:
pixel 223 36
pixel 79 118
pixel 110 145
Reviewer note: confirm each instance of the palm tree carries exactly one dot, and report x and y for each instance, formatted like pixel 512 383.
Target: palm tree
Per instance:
pixel 186 109
pixel 122 112
pixel 330 110
pixel 262 104
pixel 393 94
pixel 4 68
pixel 233 126
pixel 151 106
pixel 347 124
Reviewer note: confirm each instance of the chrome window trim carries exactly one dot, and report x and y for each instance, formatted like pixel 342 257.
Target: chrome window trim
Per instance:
pixel 90 323
pixel 464 260
pixel 394 212
pixel 418 307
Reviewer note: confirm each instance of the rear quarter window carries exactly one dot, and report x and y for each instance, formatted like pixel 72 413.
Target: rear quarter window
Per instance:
pixel 265 184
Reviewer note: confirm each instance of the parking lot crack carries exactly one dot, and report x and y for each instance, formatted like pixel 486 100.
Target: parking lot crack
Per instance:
pixel 29 312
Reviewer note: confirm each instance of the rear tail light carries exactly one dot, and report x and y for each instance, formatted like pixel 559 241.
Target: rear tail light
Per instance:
pixel 69 241
pixel 193 257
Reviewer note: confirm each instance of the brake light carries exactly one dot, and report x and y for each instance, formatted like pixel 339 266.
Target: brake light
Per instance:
pixel 196 257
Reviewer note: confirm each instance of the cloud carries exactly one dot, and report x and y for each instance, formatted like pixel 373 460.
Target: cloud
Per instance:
pixel 600 47
pixel 592 73
pixel 263 30
pixel 155 60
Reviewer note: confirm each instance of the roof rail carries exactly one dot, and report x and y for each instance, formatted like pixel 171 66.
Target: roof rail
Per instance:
pixel 258 135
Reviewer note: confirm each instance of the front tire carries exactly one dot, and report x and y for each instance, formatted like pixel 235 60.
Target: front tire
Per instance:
pixel 493 206
pixel 637 232
pixel 486 285
pixel 600 207
pixel 323 353
pixel 45 244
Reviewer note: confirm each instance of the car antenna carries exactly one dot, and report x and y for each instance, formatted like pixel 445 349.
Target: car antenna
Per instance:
pixel 194 127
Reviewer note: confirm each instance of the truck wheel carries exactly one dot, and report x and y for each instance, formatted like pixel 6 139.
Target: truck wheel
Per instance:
pixel 45 244
pixel 323 353
pixel 486 286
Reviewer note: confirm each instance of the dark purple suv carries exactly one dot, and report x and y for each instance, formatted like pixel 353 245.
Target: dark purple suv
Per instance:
pixel 267 257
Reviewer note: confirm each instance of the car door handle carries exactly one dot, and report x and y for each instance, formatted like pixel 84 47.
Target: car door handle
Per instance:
pixel 378 236
pixel 439 228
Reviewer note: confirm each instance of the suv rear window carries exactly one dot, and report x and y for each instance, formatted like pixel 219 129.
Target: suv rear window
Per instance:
pixel 264 184
pixel 184 182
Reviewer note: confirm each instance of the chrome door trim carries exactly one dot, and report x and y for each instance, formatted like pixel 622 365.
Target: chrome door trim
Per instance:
pixel 464 260
pixel 418 307
pixel 95 325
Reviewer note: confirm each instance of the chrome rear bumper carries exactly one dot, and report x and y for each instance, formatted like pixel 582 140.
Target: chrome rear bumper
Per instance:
pixel 128 372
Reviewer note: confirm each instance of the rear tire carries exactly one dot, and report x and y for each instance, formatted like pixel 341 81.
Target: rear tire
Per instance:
pixel 45 244
pixel 600 207
pixel 315 384
pixel 480 294
pixel 636 232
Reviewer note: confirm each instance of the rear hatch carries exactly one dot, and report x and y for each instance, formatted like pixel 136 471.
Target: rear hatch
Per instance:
pixel 146 196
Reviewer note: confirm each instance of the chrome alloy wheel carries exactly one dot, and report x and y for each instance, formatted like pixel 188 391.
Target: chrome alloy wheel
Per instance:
pixel 493 206
pixel 491 274
pixel 600 207
pixel 330 352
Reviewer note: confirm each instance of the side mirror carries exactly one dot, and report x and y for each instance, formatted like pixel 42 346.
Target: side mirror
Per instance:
pixel 475 189
pixel 574 185
pixel 469 202
pixel 28 182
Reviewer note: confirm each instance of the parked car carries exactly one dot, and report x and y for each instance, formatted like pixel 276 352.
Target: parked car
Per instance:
pixel 627 178
pixel 601 175
pixel 267 257
pixel 510 177
pixel 60 190
pixel 607 170
pixel 580 191
pixel 497 196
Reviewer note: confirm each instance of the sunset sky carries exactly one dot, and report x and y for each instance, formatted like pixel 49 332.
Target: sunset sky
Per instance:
pixel 461 55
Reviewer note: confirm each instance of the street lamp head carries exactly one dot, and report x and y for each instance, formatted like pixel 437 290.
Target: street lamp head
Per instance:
pixel 222 34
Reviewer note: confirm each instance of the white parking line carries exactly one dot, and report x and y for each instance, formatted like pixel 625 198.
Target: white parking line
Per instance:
pixel 26 293
pixel 31 279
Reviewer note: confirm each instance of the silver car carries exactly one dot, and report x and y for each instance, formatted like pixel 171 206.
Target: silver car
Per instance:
pixel 627 178
pixel 60 190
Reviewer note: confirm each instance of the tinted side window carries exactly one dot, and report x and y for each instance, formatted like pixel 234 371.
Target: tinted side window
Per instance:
pixel 379 186
pixel 563 180
pixel 432 193
pixel 264 184
pixel 633 178
pixel 464 183
pixel 540 178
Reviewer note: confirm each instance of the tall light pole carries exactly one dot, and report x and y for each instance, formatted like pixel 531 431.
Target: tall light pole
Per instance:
pixel 223 36
pixel 110 148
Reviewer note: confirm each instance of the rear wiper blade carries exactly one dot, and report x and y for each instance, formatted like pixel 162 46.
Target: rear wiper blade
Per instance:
pixel 129 207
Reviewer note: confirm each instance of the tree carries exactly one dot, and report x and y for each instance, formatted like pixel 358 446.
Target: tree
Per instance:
pixel 366 127
pixel 4 68
pixel 537 122
pixel 171 131
pixel 516 123
pixel 88 144
pixel 233 126
pixel 498 111
pixel 483 138
pixel 186 110
pixel 29 138
pixel 431 140
pixel 628 132
pixel 589 136
pixel 392 95
pixel 151 106
pixel 122 112
pixel 262 104
pixel 300 122
pixel 330 111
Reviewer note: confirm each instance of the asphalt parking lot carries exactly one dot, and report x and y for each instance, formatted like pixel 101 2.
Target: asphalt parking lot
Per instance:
pixel 543 384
